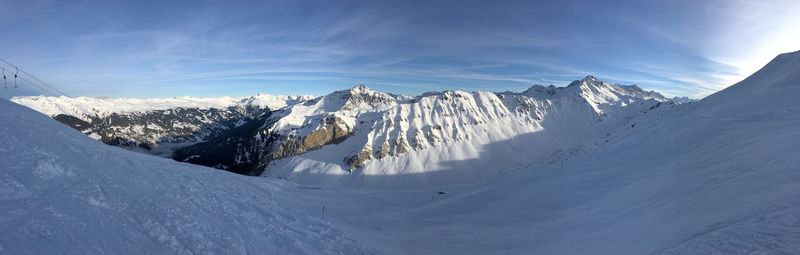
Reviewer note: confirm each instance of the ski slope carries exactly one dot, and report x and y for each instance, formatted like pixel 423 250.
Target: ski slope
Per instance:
pixel 62 192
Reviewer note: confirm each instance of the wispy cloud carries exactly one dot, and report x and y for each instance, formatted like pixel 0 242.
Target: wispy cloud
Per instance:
pixel 168 48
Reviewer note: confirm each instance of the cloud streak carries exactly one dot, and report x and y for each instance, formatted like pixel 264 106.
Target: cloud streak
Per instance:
pixel 152 48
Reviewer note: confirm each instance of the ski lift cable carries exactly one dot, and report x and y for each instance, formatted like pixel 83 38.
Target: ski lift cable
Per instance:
pixel 44 83
pixel 46 91
pixel 34 78
pixel 18 76
pixel 16 84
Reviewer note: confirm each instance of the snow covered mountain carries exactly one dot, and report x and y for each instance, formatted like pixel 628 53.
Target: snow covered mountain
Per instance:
pixel 156 125
pixel 62 192
pixel 371 133
pixel 353 130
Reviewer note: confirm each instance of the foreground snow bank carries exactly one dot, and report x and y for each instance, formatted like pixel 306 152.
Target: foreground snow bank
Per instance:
pixel 62 192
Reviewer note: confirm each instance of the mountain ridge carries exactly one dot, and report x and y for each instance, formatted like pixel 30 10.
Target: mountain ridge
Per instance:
pixel 384 124
pixel 362 126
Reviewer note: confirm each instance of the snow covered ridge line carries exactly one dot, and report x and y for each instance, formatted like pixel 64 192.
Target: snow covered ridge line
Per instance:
pixel 372 125
pixel 100 107
pixel 156 125
pixel 364 129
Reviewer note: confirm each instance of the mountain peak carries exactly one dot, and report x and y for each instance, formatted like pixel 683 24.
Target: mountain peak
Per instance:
pixel 361 89
pixel 589 79
pixel 358 97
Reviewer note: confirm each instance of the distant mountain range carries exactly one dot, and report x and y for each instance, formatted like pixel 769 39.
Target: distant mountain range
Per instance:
pixel 354 130
pixel 158 125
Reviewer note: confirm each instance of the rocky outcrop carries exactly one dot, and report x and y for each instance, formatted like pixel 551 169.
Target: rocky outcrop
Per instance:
pixel 249 148
pixel 383 151
pixel 358 160
pixel 332 130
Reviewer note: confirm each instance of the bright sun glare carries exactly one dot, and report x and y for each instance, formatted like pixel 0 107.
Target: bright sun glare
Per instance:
pixel 774 27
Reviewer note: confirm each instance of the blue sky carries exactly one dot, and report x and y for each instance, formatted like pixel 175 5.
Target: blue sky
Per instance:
pixel 213 48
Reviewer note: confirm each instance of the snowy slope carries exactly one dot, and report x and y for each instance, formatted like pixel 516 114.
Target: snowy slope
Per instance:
pixel 769 93
pixel 720 176
pixel 62 192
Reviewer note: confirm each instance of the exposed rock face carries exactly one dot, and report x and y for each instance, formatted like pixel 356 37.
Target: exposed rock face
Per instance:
pixel 249 148
pixel 400 146
pixel 358 160
pixel 361 95
pixel 383 151
pixel 332 130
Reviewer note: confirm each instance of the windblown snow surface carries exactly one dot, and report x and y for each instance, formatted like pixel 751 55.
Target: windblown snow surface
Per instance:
pixel 720 176
pixel 62 192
